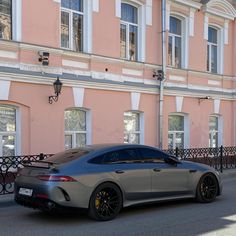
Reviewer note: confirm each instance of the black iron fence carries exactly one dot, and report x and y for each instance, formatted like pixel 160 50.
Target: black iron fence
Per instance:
pixel 10 165
pixel 220 158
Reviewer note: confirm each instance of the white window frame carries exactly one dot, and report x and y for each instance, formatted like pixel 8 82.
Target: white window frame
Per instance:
pixel 220 48
pixel 140 132
pixel 141 47
pixel 219 130
pixel 87 132
pixel 185 131
pixel 16 133
pixel 184 38
pixel 87 26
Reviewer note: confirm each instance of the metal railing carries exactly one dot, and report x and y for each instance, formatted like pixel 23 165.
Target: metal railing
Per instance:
pixel 10 165
pixel 220 158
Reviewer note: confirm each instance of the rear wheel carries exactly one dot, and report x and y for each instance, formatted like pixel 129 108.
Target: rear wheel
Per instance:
pixel 106 202
pixel 207 188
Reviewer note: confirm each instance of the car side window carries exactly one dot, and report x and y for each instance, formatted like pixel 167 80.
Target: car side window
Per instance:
pixel 152 155
pixel 126 155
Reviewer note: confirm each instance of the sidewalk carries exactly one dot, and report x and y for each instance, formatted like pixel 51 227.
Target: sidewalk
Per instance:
pixel 8 199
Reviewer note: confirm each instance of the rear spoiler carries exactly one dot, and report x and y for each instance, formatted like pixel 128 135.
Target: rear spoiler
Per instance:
pixel 46 164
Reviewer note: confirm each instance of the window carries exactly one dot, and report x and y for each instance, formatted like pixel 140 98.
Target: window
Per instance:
pixel 72 18
pixel 7 131
pixel 75 128
pixel 175 43
pixel 152 155
pixel 212 49
pixel 176 131
pixel 213 131
pixel 132 127
pixel 127 155
pixel 129 32
pixel 6 19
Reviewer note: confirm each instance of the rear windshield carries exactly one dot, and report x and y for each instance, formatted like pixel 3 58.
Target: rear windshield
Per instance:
pixel 67 156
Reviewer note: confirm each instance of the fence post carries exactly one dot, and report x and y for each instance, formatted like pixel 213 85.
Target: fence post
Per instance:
pixel 41 156
pixel 221 158
pixel 176 151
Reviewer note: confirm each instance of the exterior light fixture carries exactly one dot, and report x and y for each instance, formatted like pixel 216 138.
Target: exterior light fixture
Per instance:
pixel 57 89
pixel 44 58
pixel 203 98
pixel 159 75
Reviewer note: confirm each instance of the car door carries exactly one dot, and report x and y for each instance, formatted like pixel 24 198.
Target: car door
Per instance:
pixel 133 175
pixel 169 178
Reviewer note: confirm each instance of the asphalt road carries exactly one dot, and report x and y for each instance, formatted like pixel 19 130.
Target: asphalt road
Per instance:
pixel 176 218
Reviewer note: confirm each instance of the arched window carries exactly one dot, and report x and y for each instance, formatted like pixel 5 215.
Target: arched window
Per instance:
pixel 133 127
pixel 7 131
pixel 75 128
pixel 175 43
pixel 215 131
pixel 176 136
pixel 129 32
pixel 212 50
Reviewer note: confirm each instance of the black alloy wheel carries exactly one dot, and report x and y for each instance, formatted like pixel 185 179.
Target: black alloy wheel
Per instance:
pixel 106 202
pixel 207 188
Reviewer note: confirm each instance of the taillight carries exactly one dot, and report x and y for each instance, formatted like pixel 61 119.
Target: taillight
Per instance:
pixel 56 178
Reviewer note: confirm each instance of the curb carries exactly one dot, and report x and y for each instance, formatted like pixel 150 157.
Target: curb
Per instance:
pixel 8 199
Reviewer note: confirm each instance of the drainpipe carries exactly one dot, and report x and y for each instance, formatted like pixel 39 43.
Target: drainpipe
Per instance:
pixel 161 96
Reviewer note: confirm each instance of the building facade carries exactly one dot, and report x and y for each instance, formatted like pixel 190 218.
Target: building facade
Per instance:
pixel 107 53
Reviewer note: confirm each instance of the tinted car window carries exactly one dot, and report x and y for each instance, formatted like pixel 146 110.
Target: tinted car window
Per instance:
pixel 127 155
pixel 152 155
pixel 67 156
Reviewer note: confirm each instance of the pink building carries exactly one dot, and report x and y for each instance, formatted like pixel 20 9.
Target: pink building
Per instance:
pixel 107 54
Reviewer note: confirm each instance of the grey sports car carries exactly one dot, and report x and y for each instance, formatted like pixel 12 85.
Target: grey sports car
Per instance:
pixel 105 178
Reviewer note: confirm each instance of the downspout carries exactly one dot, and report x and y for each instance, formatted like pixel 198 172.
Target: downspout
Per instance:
pixel 161 91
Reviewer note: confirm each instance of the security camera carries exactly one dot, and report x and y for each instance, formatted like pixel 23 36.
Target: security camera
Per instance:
pixel 44 57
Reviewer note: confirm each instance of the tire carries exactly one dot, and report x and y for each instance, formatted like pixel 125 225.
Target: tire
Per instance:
pixel 207 188
pixel 105 202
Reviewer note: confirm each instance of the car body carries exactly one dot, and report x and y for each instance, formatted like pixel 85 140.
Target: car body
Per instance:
pixel 105 178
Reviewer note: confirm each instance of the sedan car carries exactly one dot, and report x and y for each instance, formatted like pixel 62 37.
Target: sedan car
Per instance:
pixel 106 178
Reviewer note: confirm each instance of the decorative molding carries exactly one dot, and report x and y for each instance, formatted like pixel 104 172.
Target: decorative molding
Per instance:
pixel 149 12
pixel 220 8
pixel 8 54
pixel 179 103
pixel 206 22
pixel 213 82
pixel 78 96
pixel 177 78
pixel 226 32
pixel 4 89
pixel 167 15
pixel 17 19
pixel 191 21
pixel 118 8
pixel 217 106
pixel 135 99
pixel 132 72
pixel 189 3
pixel 76 64
pixel 96 5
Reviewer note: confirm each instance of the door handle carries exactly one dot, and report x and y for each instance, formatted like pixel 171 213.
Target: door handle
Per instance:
pixel 119 171
pixel 192 171
pixel 157 170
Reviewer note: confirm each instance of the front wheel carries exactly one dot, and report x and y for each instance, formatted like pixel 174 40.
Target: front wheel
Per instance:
pixel 106 202
pixel 207 188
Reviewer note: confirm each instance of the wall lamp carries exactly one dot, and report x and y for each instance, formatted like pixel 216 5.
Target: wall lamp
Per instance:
pixel 57 89
pixel 203 98
pixel 44 58
pixel 159 75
